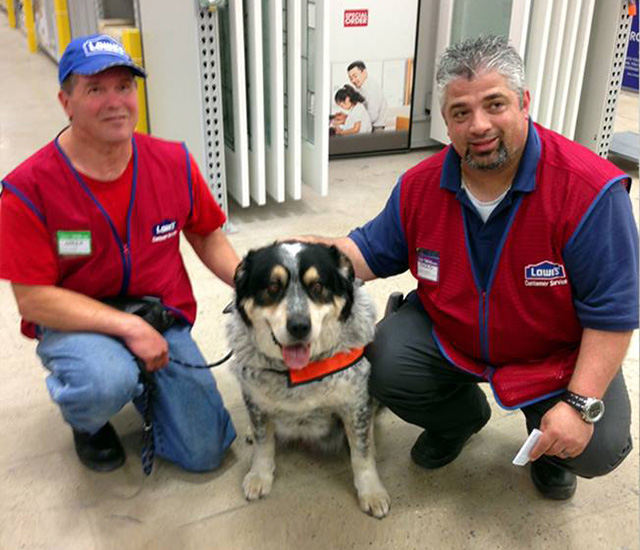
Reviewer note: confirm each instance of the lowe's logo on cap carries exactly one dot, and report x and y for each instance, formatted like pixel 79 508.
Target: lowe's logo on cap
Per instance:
pixel 90 55
pixel 164 230
pixel 545 273
pixel 104 45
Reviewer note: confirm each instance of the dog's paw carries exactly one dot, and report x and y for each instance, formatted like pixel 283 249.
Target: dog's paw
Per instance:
pixel 375 503
pixel 257 485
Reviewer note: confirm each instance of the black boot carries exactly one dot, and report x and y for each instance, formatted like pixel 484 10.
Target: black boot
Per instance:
pixel 433 451
pixel 101 451
pixel 552 481
pixel 393 303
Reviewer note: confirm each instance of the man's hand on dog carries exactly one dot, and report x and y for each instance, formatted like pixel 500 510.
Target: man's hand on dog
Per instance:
pixel 147 344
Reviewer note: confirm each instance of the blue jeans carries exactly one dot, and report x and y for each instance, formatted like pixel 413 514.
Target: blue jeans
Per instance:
pixel 94 375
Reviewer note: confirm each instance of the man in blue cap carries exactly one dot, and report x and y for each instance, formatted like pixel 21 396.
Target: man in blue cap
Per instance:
pixel 97 214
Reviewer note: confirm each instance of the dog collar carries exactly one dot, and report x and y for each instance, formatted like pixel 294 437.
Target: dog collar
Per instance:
pixel 317 370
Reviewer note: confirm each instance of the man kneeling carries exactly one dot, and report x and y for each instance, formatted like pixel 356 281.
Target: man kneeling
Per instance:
pixel 98 213
pixel 525 252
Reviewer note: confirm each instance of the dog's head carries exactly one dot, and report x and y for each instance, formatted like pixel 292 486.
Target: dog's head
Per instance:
pixel 295 297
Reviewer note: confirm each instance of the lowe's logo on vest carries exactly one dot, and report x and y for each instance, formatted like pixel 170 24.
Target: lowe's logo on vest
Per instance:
pixel 164 230
pixel 98 46
pixel 545 274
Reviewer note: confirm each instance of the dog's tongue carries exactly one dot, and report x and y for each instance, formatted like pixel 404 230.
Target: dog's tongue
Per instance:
pixel 296 357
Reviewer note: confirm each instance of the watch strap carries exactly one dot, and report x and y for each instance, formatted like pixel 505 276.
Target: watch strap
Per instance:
pixel 590 408
pixel 577 401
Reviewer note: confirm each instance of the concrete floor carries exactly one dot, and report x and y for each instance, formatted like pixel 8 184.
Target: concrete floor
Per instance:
pixel 480 501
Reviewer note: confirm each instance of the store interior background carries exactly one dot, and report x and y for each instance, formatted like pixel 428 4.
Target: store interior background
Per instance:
pixel 48 500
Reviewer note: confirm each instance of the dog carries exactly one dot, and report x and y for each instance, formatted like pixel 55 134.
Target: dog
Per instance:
pixel 298 331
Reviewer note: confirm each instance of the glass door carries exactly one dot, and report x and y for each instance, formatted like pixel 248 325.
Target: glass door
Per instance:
pixel 232 60
pixel 372 56
pixel 315 94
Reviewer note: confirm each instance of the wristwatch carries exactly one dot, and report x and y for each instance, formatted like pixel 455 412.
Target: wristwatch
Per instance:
pixel 590 408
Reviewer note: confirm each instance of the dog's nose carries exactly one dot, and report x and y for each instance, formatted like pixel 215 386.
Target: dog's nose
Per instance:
pixel 299 326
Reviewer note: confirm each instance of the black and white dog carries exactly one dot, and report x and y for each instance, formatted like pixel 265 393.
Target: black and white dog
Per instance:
pixel 298 332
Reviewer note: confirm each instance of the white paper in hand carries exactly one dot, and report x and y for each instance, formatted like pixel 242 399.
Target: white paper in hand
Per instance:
pixel 523 454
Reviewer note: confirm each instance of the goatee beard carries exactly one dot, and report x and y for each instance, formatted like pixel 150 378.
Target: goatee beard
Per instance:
pixel 501 157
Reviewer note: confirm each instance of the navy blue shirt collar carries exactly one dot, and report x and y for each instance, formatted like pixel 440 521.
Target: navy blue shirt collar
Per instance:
pixel 525 180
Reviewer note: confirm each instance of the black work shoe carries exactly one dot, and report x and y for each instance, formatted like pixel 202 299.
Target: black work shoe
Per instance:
pixel 101 451
pixel 552 481
pixel 393 303
pixel 432 451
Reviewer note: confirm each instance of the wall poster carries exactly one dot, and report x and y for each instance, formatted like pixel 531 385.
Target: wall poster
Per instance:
pixel 372 51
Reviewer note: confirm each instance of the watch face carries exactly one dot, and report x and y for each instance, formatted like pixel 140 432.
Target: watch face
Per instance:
pixel 594 410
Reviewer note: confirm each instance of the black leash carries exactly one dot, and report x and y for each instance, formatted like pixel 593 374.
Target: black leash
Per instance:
pixel 227 309
pixel 217 363
pixel 148 441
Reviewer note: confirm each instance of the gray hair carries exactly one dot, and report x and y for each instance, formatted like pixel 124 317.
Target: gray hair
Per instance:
pixel 69 83
pixel 474 56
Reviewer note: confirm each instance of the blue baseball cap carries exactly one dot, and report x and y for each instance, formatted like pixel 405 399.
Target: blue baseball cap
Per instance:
pixel 89 55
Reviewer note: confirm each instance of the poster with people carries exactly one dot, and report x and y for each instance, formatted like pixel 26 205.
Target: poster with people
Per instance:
pixel 372 67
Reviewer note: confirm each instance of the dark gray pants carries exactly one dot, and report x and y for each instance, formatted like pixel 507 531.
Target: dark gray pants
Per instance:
pixel 411 377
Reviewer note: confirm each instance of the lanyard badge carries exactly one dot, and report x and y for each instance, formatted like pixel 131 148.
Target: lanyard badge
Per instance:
pixel 428 264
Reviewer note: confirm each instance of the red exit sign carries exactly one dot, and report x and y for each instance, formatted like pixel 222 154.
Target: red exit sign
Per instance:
pixel 356 18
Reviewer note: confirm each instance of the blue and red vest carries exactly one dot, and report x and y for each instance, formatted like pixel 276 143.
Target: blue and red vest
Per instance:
pixel 148 263
pixel 521 332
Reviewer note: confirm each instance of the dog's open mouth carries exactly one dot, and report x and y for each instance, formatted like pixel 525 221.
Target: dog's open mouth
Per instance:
pixel 297 356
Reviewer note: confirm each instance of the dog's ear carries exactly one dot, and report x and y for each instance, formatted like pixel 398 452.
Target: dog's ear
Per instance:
pixel 345 267
pixel 241 277
pixel 241 283
pixel 347 276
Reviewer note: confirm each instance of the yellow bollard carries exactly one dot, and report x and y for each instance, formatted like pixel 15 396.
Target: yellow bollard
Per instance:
pixel 62 24
pixel 11 13
pixel 30 26
pixel 132 43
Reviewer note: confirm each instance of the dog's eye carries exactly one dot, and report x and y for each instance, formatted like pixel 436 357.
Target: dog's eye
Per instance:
pixel 273 288
pixel 316 289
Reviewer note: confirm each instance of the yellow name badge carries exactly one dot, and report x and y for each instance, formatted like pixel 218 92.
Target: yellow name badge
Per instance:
pixel 74 243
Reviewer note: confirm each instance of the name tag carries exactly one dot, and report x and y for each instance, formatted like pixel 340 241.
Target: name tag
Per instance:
pixel 428 264
pixel 74 243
